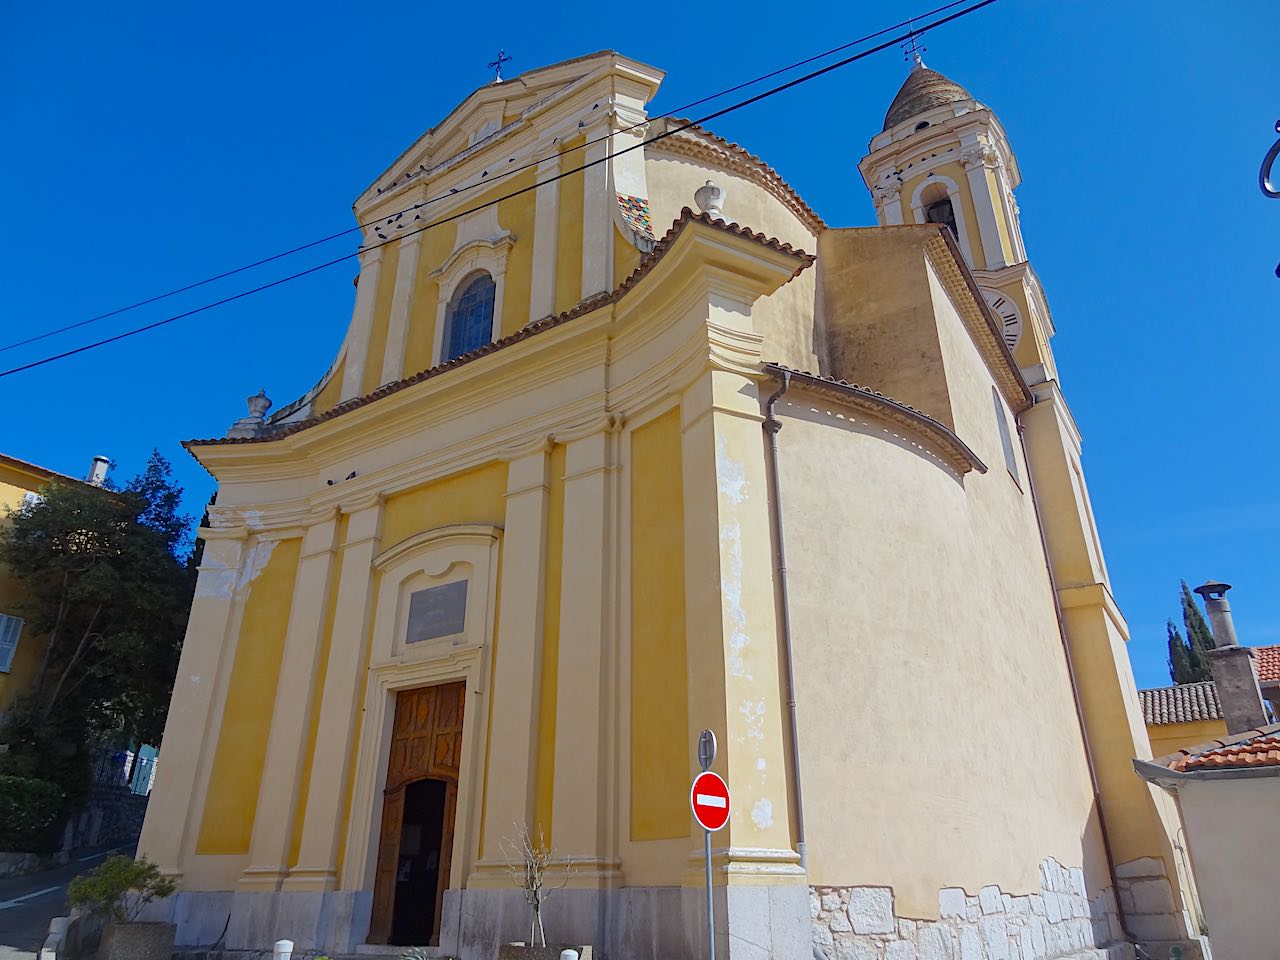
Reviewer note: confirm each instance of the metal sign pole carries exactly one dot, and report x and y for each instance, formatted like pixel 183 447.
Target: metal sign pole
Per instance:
pixel 707 756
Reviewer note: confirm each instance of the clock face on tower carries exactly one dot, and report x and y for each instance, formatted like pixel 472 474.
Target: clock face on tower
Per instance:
pixel 1007 315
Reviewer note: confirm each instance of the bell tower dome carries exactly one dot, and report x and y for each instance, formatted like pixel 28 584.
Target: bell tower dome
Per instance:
pixel 943 157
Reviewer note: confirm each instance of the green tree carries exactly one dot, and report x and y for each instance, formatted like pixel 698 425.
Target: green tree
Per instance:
pixel 1185 665
pixel 1198 635
pixel 108 583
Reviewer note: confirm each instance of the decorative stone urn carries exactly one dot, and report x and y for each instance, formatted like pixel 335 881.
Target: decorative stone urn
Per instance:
pixel 710 199
pixel 139 940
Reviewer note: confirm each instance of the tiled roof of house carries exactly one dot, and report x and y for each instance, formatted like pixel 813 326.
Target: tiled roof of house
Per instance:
pixel 1268 663
pixel 1255 752
pixel 1184 703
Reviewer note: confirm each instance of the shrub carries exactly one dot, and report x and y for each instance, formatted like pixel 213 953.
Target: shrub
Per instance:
pixel 28 809
pixel 119 887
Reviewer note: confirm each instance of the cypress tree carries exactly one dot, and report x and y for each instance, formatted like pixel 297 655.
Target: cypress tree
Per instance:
pixel 1198 636
pixel 1181 669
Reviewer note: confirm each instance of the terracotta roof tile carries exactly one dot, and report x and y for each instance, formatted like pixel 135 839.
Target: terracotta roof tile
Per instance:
pixel 1268 663
pixel 1260 751
pixel 1184 703
pixel 923 90
pixel 660 249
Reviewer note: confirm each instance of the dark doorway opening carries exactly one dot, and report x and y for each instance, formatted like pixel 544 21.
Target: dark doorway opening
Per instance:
pixel 418 870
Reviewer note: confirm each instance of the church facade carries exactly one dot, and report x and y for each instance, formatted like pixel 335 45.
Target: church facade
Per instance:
pixel 592 472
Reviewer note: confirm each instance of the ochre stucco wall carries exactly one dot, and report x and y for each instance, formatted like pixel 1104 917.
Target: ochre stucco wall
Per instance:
pixel 939 740
pixel 1167 738
pixel 788 319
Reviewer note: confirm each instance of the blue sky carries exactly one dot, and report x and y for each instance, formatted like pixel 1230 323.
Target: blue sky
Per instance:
pixel 148 145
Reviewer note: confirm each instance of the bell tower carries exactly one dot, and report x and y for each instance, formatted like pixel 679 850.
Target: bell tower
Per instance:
pixel 943 157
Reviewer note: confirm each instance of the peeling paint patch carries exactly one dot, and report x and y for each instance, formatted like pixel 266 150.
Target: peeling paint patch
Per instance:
pixel 760 764
pixel 762 813
pixel 753 717
pixel 732 474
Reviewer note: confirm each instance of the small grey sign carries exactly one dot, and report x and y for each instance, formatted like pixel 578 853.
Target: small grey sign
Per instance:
pixel 437 612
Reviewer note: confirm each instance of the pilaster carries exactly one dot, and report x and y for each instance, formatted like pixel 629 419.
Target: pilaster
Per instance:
pixel 979 160
pixel 344 684
pixel 597 212
pixel 361 322
pixel 401 307
pixel 734 679
pixel 170 816
pixel 278 796
pixel 546 223
pixel 580 819
pixel 513 730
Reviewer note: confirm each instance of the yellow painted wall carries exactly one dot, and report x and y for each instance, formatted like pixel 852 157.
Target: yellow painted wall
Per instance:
pixel 1167 738
pixel 330 393
pixel 659 681
pixel 227 825
pixel 625 257
pixel 786 319
pixel 569 228
pixel 956 172
pixel 437 244
pixel 548 688
pixel 474 496
pixel 15 483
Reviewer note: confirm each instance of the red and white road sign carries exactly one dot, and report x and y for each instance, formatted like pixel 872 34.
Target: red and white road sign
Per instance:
pixel 709 797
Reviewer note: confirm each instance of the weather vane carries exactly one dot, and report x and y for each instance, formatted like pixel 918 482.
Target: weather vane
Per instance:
pixel 913 50
pixel 496 65
pixel 1270 188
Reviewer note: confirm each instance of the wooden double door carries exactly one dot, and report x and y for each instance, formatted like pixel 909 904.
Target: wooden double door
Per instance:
pixel 419 808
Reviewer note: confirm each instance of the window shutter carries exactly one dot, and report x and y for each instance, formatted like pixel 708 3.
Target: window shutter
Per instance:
pixel 10 629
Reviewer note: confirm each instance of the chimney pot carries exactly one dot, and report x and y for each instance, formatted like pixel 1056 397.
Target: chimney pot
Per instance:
pixel 98 470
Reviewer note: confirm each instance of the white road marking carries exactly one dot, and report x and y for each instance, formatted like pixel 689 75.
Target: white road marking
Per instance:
pixel 102 853
pixel 707 800
pixel 17 901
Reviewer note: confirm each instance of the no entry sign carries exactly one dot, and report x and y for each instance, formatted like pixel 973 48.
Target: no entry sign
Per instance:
pixel 709 798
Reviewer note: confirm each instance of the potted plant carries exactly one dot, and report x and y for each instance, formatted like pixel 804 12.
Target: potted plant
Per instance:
pixel 115 891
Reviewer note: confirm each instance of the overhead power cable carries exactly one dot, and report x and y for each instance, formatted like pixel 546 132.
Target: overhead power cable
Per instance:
pixel 773 91
pixel 503 175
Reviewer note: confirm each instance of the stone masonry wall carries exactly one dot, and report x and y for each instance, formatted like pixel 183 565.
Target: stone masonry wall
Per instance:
pixel 859 923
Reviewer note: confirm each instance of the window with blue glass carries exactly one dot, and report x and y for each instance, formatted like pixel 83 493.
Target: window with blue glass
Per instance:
pixel 469 319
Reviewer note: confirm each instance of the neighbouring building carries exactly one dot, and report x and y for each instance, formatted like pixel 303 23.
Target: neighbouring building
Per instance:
pixel 21 652
pixel 524 540
pixel 1185 714
pixel 1228 794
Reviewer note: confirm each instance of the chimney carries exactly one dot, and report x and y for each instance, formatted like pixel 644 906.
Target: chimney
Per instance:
pixel 98 471
pixel 1232 665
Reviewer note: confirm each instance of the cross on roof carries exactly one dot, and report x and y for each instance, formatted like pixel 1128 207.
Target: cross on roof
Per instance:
pixel 912 49
pixel 496 65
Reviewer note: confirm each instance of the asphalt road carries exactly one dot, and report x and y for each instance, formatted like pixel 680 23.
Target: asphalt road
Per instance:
pixel 27 904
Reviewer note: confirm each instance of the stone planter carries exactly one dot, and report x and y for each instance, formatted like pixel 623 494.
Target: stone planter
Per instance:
pixel 137 941
pixel 519 951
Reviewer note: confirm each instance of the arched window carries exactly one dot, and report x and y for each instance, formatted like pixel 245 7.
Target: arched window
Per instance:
pixel 938 208
pixel 469 320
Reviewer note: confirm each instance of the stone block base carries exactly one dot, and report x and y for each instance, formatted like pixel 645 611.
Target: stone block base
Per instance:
pixel 1060 921
pixel 753 922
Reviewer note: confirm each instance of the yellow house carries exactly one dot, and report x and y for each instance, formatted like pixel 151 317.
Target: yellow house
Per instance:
pixel 1182 715
pixel 592 472
pixel 21 652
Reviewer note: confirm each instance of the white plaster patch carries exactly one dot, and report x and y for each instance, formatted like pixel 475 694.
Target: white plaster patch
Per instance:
pixel 256 562
pixel 762 814
pixel 753 716
pixel 215 580
pixel 760 764
pixel 731 473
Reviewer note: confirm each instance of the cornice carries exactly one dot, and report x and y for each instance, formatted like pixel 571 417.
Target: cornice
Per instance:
pixel 978 319
pixel 457 531
pixel 698 143
pixel 954 451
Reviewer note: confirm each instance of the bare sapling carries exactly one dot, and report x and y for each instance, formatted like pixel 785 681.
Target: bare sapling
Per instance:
pixel 528 863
